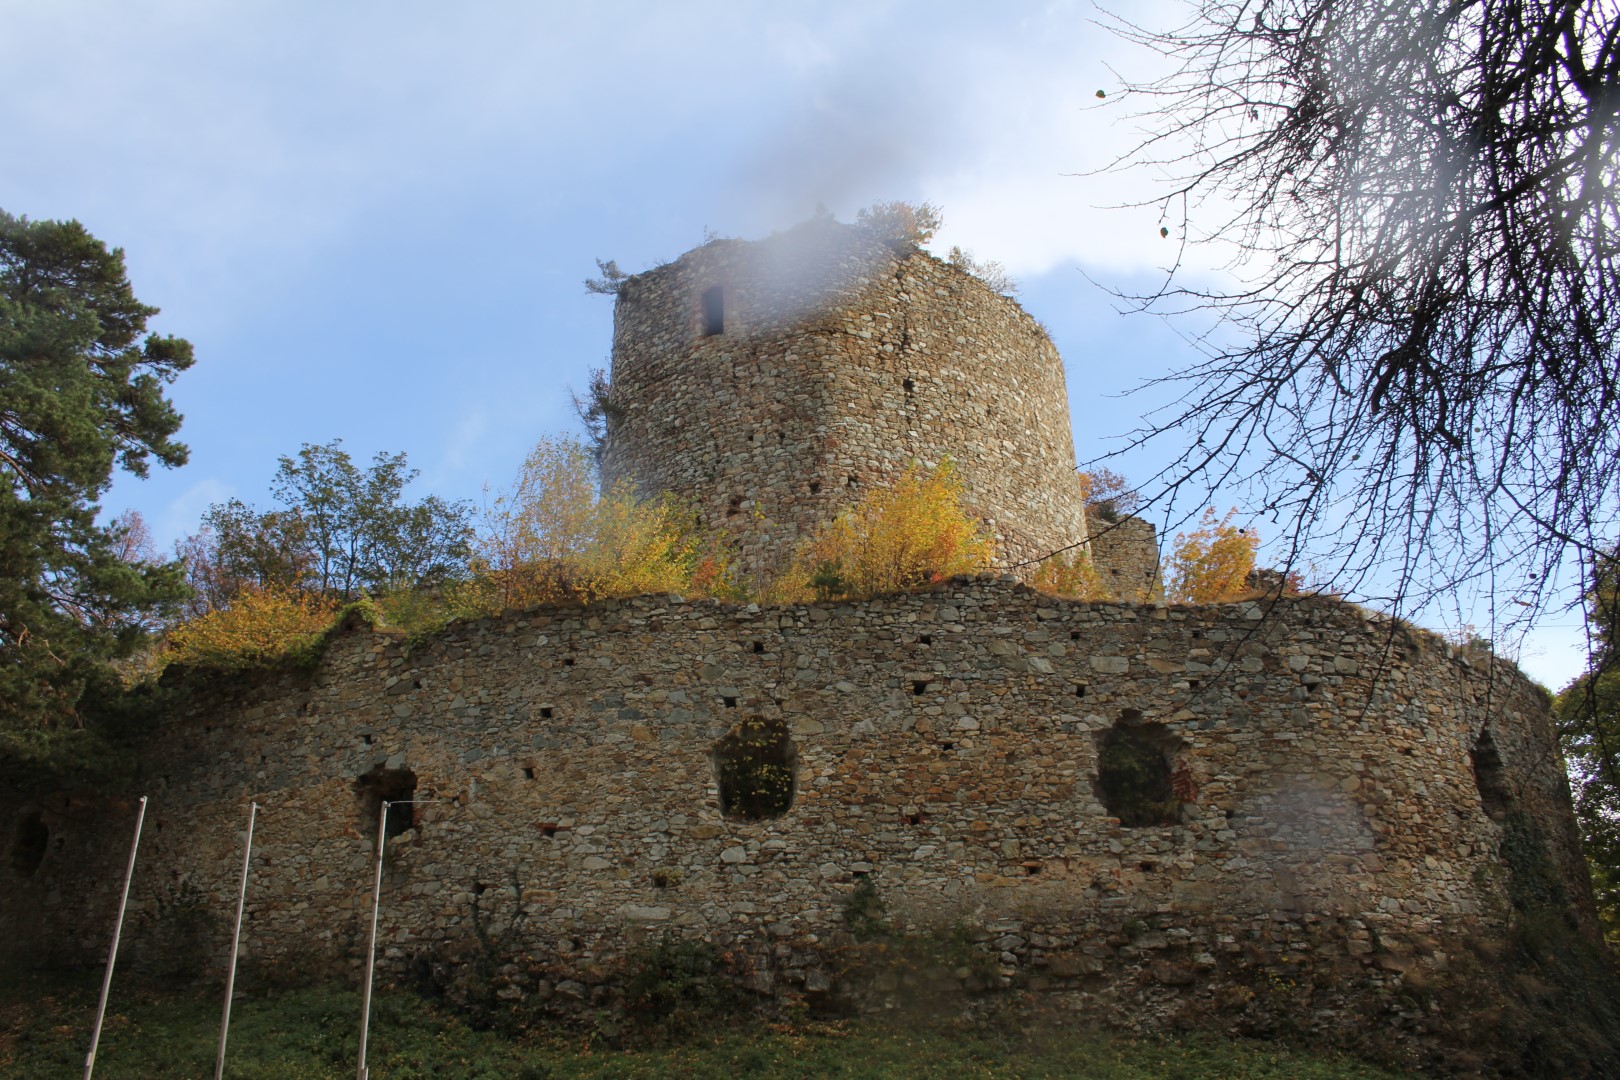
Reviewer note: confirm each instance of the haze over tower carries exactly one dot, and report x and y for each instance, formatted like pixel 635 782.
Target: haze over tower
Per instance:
pixel 772 381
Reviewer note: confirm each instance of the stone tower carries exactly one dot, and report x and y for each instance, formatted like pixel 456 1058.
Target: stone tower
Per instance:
pixel 772 381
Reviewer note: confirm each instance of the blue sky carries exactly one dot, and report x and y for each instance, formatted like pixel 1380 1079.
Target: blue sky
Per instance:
pixel 373 219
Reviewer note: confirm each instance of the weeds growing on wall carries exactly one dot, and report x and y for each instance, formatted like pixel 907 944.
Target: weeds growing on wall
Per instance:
pixel 551 538
pixel 674 985
pixel 261 626
pixel 1070 574
pixel 909 535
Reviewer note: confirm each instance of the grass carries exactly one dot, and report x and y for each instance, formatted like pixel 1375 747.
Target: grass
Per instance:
pixel 313 1033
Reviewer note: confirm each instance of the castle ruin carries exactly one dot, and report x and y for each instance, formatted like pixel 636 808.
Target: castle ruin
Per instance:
pixel 1320 796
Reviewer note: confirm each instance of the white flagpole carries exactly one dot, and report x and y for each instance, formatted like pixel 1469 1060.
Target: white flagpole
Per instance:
pixel 112 954
pixel 371 950
pixel 236 940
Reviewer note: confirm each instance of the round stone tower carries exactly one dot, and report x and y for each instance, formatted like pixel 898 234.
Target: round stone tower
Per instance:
pixel 773 381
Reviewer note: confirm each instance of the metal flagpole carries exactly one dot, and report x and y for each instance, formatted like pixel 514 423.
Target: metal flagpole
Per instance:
pixel 112 954
pixel 236 940
pixel 371 950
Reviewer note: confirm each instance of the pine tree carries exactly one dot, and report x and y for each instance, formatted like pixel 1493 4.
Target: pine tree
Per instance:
pixel 81 392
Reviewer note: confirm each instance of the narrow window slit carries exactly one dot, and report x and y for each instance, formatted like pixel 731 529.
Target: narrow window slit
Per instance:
pixel 714 311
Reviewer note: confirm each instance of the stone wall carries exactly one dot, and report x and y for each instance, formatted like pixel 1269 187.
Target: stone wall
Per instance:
pixel 1126 554
pixel 839 361
pixel 1327 815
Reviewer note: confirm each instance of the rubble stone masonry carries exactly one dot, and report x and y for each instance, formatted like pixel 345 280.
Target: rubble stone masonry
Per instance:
pixel 837 360
pixel 1336 778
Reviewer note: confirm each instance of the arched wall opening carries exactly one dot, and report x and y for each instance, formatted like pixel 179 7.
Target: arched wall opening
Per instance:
pixel 1135 772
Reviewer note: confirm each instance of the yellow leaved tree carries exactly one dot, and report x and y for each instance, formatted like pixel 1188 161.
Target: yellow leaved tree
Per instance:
pixel 1071 574
pixel 262 624
pixel 550 538
pixel 1212 564
pixel 907 535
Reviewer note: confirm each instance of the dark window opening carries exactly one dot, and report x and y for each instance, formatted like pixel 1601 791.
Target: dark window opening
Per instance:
pixel 1080 689
pixel 759 646
pixel 1147 867
pixel 1193 684
pixel 1134 772
pixel 396 787
pixel 1490 776
pixel 478 888
pixel 1074 635
pixel 568 661
pixel 528 772
pixel 925 639
pixel 1031 869
pixel 756 763
pixel 912 819
pixel 714 311
pixel 367 738
pixel 730 702
pixel 28 850
pixel 947 746
pixel 815 487
pixel 545 712
pixel 909 385
pixel 548 828
pixel 919 687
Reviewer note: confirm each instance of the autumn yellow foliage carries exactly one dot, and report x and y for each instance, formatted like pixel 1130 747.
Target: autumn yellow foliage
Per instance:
pixel 550 538
pixel 1072 574
pixel 261 624
pixel 908 535
pixel 1213 563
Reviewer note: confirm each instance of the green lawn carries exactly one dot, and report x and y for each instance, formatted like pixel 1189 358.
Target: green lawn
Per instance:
pixel 44 1032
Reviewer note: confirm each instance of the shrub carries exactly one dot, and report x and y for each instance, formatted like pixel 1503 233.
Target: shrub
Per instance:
pixel 550 538
pixel 1071 574
pixel 906 536
pixel 261 625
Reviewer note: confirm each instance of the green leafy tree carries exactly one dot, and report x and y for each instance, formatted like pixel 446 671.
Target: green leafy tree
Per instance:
pixel 1589 711
pixel 240 549
pixel 81 392
pixel 342 530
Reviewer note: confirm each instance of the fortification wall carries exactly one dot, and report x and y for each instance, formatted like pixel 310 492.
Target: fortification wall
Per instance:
pixel 840 360
pixel 947 747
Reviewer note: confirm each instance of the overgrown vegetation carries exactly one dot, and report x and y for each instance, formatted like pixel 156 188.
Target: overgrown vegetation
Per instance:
pixel 260 625
pixel 908 535
pixel 312 1034
pixel 1133 775
pixel 755 762
pixel 1588 710
pixel 551 538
